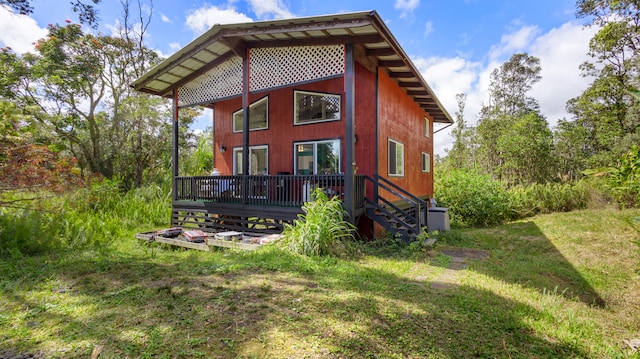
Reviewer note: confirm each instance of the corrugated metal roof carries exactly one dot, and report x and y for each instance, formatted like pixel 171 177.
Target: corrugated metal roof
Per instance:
pixel 365 29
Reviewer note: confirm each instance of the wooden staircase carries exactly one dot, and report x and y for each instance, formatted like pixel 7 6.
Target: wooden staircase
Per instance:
pixel 405 221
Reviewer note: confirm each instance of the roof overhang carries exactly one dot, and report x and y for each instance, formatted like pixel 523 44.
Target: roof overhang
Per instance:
pixel 364 29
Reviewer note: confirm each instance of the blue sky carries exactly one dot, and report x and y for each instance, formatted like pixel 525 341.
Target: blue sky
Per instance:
pixel 454 43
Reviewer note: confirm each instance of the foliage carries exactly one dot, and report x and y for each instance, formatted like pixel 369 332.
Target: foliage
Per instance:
pixel 87 13
pixel 24 162
pixel 473 199
pixel 607 111
pixel 87 218
pixel 623 180
pixel 536 198
pixel 512 141
pixel 321 230
pixel 199 158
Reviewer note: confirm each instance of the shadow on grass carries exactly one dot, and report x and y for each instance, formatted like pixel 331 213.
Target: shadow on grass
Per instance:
pixel 264 304
pixel 520 253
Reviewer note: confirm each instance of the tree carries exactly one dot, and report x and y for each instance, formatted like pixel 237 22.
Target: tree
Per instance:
pixel 513 139
pixel 87 13
pixel 77 86
pixel 606 110
pixel 461 154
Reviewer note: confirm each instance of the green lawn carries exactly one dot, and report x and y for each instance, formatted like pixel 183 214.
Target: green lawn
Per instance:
pixel 562 285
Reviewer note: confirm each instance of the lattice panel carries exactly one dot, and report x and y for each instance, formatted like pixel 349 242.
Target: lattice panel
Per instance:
pixel 223 81
pixel 280 66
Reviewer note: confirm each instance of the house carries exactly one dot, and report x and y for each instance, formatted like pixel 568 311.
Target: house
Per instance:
pixel 325 101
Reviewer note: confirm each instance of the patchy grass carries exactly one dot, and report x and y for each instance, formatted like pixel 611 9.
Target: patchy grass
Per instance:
pixel 562 285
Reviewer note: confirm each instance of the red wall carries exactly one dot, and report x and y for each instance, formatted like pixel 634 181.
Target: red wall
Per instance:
pixel 399 118
pixel 281 133
pixel 402 120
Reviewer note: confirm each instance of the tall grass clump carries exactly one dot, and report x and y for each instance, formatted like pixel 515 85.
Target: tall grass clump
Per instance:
pixel 622 181
pixel 321 229
pixel 94 216
pixel 527 201
pixel 473 199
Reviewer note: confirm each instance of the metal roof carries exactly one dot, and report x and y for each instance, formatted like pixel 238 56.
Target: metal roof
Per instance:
pixel 222 42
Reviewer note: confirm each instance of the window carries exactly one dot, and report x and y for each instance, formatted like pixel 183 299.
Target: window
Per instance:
pixel 396 158
pixel 258 160
pixel 426 127
pixel 426 162
pixel 258 116
pixel 310 107
pixel 320 157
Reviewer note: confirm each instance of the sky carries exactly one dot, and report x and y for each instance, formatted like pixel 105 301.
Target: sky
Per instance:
pixel 455 44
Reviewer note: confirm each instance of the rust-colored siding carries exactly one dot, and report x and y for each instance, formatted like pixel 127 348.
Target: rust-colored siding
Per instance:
pixel 402 120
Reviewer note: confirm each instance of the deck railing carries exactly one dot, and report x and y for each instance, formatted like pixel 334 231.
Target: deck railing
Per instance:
pixel 268 190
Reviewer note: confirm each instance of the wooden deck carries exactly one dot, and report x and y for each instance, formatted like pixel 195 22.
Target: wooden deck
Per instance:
pixel 261 204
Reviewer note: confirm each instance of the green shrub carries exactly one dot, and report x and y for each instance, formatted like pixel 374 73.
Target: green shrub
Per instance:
pixel 321 230
pixel 622 182
pixel 472 199
pixel 94 216
pixel 526 201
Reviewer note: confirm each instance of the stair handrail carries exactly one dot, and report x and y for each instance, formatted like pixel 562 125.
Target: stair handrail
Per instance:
pixel 401 193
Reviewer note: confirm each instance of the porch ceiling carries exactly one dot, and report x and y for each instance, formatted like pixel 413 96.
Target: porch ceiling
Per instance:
pixel 224 41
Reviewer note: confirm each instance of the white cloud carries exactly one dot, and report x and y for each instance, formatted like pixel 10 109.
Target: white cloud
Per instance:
pixel 202 19
pixel 406 6
pixel 510 43
pixel 19 31
pixel 428 28
pixel 561 50
pixel 270 9
pixel 165 19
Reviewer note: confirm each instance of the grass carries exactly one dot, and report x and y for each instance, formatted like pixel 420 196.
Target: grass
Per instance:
pixel 563 285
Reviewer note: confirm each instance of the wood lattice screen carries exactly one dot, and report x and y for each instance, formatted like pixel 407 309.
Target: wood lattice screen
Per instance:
pixel 269 68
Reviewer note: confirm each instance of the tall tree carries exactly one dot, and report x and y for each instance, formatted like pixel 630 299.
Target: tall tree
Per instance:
pixel 513 139
pixel 606 110
pixel 461 154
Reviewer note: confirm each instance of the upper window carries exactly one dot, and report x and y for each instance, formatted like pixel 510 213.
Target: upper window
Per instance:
pixel 310 107
pixel 258 116
pixel 396 158
pixel 426 127
pixel 426 162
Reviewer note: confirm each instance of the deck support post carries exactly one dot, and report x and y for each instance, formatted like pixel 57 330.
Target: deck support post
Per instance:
pixel 175 143
pixel 245 125
pixel 350 163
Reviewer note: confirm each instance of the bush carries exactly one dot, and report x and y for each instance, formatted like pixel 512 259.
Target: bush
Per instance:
pixel 472 199
pixel 94 216
pixel 526 201
pixel 322 228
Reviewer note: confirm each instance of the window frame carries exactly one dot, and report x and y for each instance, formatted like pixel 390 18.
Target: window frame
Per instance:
pixel 315 154
pixel 237 170
pixel 252 106
pixel 397 144
pixel 426 160
pixel 427 133
pixel 296 121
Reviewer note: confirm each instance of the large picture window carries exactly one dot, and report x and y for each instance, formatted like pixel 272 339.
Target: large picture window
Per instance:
pixel 258 160
pixel 310 107
pixel 258 116
pixel 319 157
pixel 396 158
